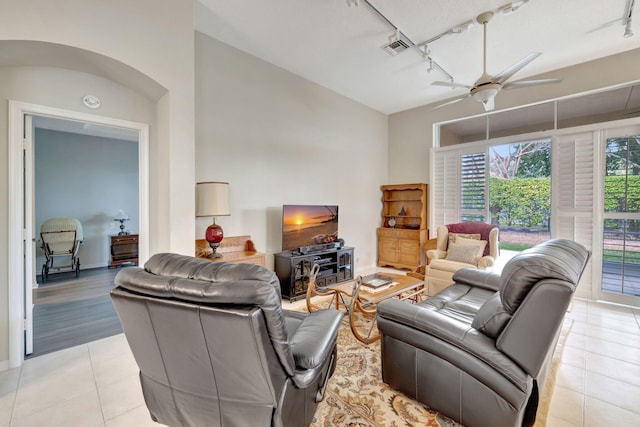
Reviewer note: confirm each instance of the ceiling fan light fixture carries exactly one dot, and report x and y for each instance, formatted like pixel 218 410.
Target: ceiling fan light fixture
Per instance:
pixel 485 93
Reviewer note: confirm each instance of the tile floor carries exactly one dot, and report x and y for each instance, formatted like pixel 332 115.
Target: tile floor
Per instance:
pixel 96 384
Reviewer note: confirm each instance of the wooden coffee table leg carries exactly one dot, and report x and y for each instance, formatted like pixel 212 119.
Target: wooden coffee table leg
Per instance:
pixel 362 320
pixel 312 291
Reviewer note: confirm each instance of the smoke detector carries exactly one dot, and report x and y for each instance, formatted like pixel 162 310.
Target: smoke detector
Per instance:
pixel 397 43
pixel 91 101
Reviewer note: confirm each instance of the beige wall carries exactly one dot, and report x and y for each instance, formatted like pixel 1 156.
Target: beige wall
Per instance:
pixel 411 131
pixel 150 37
pixel 279 139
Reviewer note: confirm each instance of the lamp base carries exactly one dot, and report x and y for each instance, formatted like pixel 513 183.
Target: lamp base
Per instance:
pixel 214 254
pixel 122 230
pixel 214 236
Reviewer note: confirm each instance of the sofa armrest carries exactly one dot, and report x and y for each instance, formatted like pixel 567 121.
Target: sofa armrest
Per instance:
pixel 436 254
pixel 394 316
pixel 486 262
pixel 479 278
pixel 313 342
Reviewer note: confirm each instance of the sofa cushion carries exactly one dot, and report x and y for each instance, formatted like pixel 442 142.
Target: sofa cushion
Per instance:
pixel 462 253
pixel 478 244
pixel 482 228
pixel 448 265
pixel 454 236
pixel 491 317
pixel 459 302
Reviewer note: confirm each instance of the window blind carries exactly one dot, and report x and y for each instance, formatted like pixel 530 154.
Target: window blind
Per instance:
pixel 445 188
pixel 473 187
pixel 573 163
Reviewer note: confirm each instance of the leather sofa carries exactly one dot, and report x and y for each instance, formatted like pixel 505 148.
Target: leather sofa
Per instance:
pixel 479 350
pixel 215 347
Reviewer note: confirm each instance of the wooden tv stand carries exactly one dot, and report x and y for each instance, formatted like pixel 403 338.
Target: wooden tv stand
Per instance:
pixel 292 269
pixel 232 249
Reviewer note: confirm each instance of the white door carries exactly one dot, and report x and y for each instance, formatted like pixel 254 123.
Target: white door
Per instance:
pixel 28 235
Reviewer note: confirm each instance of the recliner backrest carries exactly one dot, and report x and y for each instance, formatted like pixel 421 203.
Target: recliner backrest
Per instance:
pixel 200 363
pixel 210 338
pixel 190 279
pixel 554 259
pixel 536 288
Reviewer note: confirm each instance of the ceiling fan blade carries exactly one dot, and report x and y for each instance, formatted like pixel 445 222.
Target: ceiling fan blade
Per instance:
pixel 489 105
pixel 451 84
pixel 525 83
pixel 453 101
pixel 510 71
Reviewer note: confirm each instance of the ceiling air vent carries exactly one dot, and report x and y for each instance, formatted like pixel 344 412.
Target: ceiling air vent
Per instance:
pixel 398 45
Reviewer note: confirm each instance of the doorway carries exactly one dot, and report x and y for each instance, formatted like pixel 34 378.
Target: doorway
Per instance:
pixel 84 174
pixel 21 231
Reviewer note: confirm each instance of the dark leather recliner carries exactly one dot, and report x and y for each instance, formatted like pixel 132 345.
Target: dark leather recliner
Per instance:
pixel 479 350
pixel 215 348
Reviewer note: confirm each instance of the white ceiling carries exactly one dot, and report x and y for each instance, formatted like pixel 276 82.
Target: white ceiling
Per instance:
pixel 339 45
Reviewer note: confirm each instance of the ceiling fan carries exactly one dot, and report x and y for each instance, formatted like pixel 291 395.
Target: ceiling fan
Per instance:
pixel 487 87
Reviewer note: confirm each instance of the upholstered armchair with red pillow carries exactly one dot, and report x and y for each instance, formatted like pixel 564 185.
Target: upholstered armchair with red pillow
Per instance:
pixel 462 245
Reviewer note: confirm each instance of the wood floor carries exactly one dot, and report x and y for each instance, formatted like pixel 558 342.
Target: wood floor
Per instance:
pixel 70 311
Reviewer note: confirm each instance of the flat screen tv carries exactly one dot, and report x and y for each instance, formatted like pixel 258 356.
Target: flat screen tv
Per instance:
pixel 308 225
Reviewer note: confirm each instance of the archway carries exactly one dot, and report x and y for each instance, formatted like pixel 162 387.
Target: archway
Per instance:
pixel 42 54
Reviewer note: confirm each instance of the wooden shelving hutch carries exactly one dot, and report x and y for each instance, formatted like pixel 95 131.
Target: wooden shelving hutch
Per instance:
pixel 401 244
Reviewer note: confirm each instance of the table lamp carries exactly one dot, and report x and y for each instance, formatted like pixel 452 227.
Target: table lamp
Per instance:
pixel 122 217
pixel 212 199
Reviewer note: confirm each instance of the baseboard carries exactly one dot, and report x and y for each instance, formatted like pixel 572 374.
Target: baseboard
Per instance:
pixel 4 365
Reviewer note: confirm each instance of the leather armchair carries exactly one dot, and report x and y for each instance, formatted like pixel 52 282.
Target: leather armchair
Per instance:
pixel 215 347
pixel 442 262
pixel 479 350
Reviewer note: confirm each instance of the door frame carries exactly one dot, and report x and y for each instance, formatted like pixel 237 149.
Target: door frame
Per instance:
pixel 16 223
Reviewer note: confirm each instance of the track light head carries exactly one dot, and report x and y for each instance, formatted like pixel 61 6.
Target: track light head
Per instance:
pixel 627 29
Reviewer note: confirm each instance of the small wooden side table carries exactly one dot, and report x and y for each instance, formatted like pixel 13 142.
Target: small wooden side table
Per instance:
pixel 124 249
pixel 232 249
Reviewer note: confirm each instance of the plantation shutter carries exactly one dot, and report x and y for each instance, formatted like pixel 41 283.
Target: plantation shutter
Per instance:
pixel 473 187
pixel 573 187
pixel 444 188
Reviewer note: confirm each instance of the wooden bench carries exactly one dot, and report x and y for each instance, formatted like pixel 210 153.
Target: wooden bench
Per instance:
pixel 232 249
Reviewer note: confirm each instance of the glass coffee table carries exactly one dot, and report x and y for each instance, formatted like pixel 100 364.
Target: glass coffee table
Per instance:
pixel 362 307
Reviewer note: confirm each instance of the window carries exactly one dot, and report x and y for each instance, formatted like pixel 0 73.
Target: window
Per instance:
pixel 621 218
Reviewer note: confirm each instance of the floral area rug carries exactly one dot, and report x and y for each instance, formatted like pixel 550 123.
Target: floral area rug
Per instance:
pixel 357 397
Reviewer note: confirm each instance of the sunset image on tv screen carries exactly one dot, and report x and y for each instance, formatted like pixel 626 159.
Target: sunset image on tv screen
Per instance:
pixel 306 225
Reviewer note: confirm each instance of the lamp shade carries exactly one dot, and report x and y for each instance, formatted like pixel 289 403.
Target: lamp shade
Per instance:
pixel 122 216
pixel 212 199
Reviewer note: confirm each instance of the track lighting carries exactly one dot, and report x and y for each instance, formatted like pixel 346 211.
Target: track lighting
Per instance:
pixel 462 28
pixel 508 9
pixel 627 23
pixel 627 30
pixel 353 3
pixel 395 36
